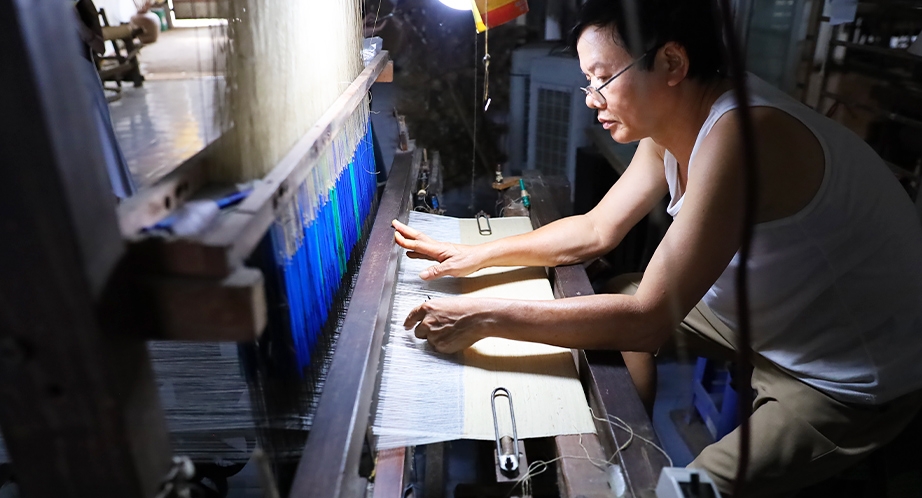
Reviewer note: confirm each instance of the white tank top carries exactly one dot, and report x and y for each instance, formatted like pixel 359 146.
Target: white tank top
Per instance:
pixel 836 289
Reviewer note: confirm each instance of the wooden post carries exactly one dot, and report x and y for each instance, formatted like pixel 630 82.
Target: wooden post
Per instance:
pixel 78 403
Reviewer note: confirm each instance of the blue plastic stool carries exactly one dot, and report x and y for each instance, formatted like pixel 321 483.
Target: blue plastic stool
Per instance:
pixel 714 398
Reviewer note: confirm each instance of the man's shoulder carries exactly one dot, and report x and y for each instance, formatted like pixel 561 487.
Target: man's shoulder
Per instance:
pixel 790 159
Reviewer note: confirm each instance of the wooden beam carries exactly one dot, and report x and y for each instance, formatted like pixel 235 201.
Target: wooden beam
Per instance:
pixel 283 181
pixel 155 202
pixel 78 403
pixel 577 476
pixel 197 309
pixel 387 74
pixel 390 473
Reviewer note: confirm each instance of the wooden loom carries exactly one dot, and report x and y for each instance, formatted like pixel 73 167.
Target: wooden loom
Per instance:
pixel 82 292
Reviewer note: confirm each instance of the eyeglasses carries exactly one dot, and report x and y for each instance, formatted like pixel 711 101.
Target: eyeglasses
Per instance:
pixel 596 93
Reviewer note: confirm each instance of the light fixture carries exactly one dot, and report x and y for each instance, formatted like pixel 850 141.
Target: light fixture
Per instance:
pixel 458 4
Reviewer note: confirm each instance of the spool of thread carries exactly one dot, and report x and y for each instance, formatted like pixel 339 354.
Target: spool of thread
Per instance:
pixel 195 216
pixel 525 198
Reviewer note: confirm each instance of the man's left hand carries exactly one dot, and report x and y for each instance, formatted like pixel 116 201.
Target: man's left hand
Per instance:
pixel 451 325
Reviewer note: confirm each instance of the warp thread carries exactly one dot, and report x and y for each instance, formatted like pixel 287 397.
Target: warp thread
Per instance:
pixel 401 421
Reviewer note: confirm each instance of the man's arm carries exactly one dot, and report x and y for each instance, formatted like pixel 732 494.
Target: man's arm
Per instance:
pixel 696 249
pixel 565 241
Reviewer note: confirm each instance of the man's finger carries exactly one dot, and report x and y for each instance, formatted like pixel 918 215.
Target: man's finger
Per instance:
pixel 403 241
pixel 421 331
pixel 411 243
pixel 415 316
pixel 410 233
pixel 434 271
pixel 420 246
pixel 419 255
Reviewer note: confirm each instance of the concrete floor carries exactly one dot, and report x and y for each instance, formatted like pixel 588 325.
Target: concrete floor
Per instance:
pixel 165 122
pixel 172 116
pixel 184 53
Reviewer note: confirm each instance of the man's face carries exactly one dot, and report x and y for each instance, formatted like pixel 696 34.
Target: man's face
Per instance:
pixel 626 111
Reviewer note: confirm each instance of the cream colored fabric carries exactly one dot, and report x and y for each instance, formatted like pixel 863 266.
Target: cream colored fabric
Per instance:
pixel 427 397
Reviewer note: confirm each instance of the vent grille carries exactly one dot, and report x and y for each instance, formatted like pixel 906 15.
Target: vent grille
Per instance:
pixel 552 127
pixel 526 115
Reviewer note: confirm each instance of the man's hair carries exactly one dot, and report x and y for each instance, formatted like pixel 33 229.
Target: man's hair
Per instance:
pixel 693 24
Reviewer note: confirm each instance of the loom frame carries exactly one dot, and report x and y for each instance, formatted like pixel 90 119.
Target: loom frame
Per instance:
pixel 82 290
pixel 78 365
pixel 66 362
pixel 331 460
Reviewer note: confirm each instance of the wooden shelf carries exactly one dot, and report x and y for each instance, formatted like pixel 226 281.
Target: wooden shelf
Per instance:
pixel 871 70
pixel 899 118
pixel 897 53
pixel 900 4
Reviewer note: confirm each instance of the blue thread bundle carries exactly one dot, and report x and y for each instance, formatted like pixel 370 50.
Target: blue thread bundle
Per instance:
pixel 310 250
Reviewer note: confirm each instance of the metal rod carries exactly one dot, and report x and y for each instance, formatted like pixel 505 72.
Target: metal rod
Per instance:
pixel 508 455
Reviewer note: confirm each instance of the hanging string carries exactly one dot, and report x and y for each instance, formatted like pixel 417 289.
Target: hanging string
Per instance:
pixel 470 206
pixel 486 58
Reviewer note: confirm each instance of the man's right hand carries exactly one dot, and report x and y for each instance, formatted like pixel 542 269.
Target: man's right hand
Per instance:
pixel 455 260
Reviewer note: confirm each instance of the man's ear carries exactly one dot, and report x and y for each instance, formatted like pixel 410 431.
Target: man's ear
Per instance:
pixel 674 60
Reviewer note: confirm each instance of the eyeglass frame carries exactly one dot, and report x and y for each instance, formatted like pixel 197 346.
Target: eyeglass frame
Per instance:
pixel 602 100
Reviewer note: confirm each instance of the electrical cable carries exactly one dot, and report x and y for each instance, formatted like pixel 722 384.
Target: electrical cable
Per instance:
pixel 750 192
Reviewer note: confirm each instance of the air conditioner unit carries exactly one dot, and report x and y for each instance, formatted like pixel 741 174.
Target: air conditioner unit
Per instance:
pixel 547 111
pixel 519 86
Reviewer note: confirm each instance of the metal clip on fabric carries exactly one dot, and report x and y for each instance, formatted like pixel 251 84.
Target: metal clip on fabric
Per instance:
pixel 507 448
pixel 483 224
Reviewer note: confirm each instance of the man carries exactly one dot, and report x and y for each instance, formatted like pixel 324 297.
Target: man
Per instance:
pixel 835 270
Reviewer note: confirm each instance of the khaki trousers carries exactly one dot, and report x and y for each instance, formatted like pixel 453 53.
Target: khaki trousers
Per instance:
pixel 799 435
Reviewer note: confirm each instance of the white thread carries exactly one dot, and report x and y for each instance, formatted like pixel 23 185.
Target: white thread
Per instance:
pixel 621 424
pixel 285 73
pixel 542 378
pixel 539 466
pixel 399 420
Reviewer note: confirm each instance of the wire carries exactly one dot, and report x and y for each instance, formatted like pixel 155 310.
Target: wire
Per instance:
pixel 539 466
pixel 474 132
pixel 374 27
pixel 750 192
pixel 486 57
pixel 621 424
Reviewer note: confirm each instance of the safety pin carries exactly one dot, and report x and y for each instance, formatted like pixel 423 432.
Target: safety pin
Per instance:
pixel 507 449
pixel 480 228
